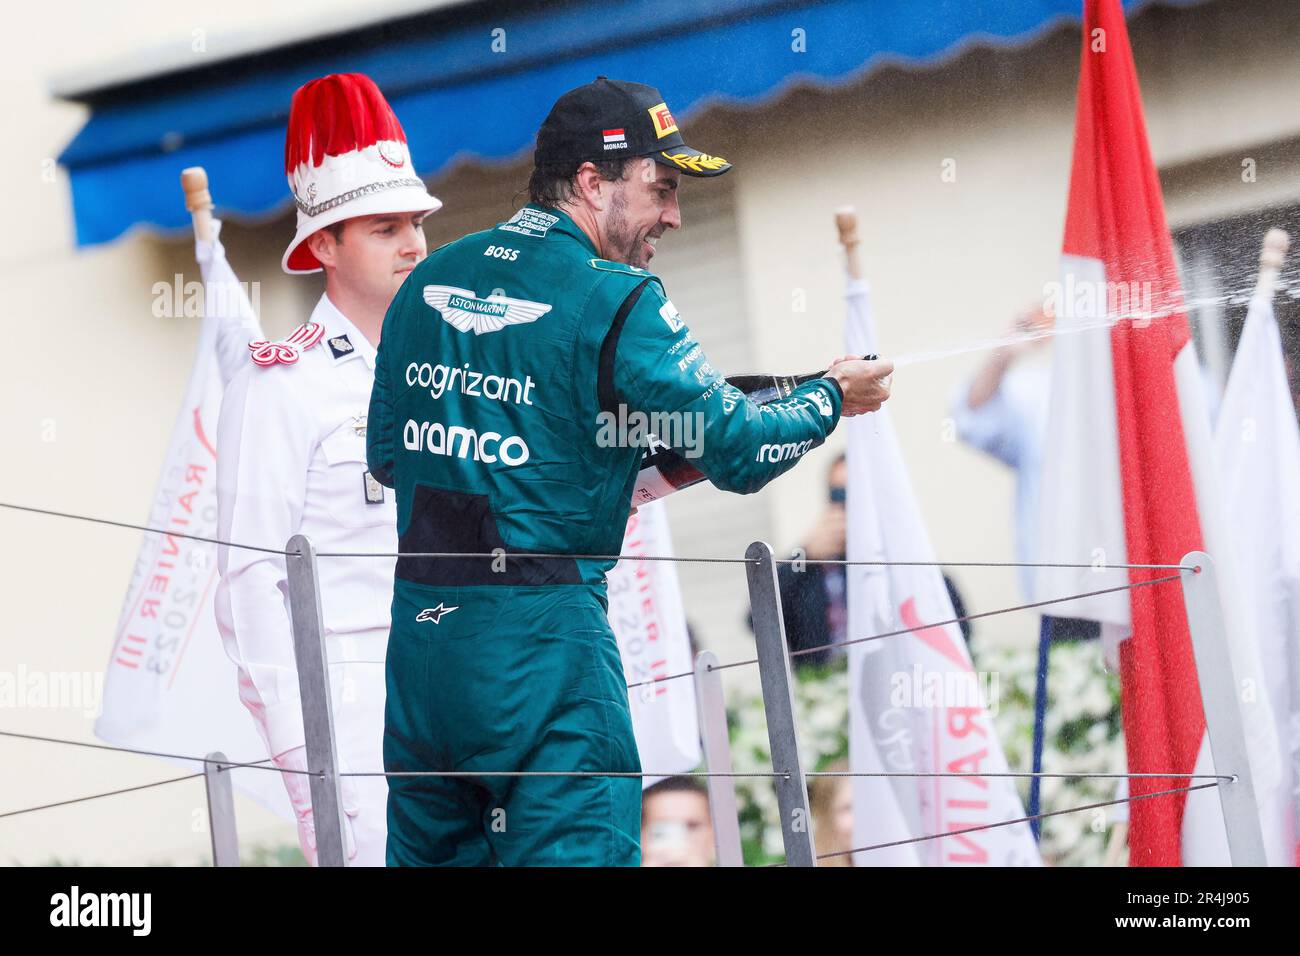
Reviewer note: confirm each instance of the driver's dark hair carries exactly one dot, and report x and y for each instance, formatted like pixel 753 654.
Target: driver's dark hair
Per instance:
pixel 553 183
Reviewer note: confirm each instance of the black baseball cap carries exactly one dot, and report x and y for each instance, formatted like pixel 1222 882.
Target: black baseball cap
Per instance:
pixel 609 119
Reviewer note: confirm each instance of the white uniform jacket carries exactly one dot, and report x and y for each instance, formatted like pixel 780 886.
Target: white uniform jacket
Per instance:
pixel 292 460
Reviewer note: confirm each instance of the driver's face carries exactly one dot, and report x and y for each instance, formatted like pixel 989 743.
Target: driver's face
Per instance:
pixel 643 206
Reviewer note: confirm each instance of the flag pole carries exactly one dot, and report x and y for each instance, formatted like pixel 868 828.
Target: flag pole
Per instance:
pixel 846 221
pixel 1221 699
pixel 778 702
pixel 198 200
pixel 1040 720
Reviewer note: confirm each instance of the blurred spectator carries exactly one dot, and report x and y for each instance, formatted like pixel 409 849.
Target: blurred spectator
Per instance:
pixel 676 829
pixel 831 801
pixel 1002 411
pixel 814 601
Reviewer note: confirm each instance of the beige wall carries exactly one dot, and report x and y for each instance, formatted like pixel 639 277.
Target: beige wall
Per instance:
pixel 950 262
pixel 94 378
pixel 87 402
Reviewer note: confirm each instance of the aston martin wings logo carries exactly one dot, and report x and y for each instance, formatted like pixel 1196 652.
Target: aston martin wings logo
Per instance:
pixel 466 311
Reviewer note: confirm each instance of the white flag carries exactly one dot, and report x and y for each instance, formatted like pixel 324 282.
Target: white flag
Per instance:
pixel 169 685
pixel 645 611
pixel 916 704
pixel 1257 444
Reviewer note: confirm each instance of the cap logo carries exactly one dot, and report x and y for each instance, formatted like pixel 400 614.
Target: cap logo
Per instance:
pixel 614 139
pixel 392 153
pixel 663 120
pixel 702 163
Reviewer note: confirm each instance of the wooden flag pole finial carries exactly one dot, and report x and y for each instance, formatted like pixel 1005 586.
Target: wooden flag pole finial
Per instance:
pixel 846 221
pixel 1272 255
pixel 198 200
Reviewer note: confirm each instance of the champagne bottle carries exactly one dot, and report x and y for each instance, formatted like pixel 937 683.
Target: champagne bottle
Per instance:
pixel 664 471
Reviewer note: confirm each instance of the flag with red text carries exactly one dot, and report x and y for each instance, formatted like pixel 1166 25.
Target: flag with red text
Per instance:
pixel 169 686
pixel 645 611
pixel 916 704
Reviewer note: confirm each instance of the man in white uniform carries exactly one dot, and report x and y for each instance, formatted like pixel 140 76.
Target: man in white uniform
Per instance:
pixel 292 449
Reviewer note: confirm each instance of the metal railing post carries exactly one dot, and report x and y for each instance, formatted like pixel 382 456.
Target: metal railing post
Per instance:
pixel 723 808
pixel 1223 719
pixel 221 810
pixel 778 702
pixel 314 691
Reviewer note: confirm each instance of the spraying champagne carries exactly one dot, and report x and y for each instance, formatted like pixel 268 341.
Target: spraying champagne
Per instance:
pixel 664 471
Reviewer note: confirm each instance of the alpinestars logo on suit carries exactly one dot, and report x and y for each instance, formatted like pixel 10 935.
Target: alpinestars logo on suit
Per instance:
pixel 435 614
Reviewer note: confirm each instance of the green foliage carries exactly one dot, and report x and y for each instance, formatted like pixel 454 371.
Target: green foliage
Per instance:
pixel 821 715
pixel 1082 731
pixel 280 854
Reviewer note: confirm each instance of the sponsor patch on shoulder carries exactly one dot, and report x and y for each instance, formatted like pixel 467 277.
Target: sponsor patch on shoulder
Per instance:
pixel 530 222
pixel 668 312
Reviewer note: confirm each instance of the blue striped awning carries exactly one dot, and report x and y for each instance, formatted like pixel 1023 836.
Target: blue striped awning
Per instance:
pixel 460 96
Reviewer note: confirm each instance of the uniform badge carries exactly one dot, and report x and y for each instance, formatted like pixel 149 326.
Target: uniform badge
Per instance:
pixel 287 350
pixel 392 152
pixel 340 346
pixel 374 490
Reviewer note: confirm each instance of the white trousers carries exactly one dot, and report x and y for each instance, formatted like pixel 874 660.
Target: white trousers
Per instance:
pixel 357 696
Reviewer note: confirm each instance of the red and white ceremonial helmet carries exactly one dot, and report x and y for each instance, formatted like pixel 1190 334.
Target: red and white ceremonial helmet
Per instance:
pixel 345 155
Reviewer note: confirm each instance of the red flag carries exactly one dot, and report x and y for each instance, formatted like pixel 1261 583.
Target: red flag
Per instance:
pixel 1129 448
pixel 1130 477
pixel 1117 216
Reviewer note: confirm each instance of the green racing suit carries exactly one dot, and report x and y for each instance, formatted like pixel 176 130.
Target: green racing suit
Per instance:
pixel 511 363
